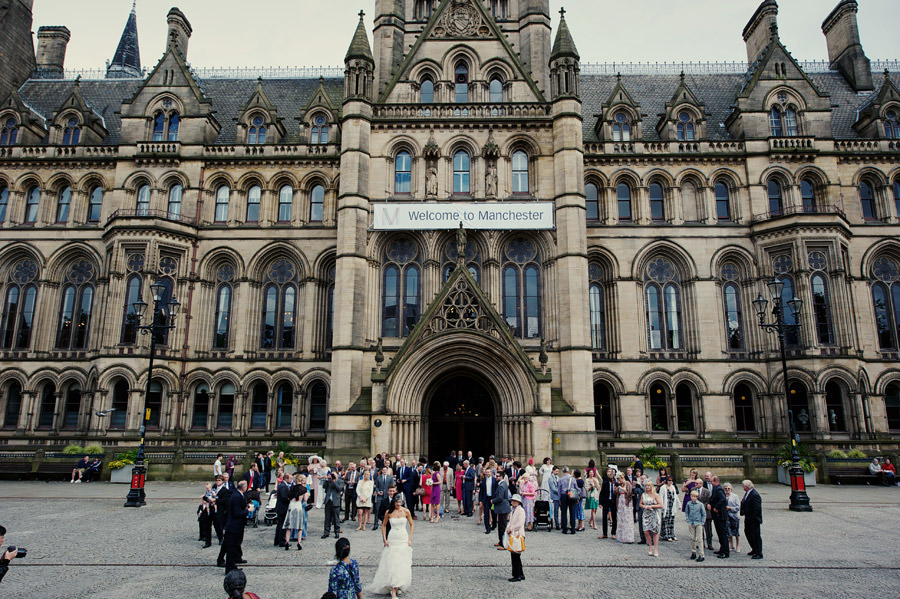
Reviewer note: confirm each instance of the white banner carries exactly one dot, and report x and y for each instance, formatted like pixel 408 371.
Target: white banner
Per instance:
pixel 392 216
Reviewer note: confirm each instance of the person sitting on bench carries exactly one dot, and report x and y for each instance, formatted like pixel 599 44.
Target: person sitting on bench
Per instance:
pixel 79 469
pixel 92 472
pixel 888 474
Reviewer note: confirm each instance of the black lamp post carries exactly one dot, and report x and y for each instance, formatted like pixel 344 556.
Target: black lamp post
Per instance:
pixel 161 319
pixel 799 498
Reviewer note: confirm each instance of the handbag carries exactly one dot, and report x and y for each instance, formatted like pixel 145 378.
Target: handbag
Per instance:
pixel 515 543
pixel 420 491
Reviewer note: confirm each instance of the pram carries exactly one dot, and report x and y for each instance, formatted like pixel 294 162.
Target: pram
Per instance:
pixel 542 515
pixel 270 516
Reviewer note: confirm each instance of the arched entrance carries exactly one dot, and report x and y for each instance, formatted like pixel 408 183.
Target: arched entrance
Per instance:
pixel 460 415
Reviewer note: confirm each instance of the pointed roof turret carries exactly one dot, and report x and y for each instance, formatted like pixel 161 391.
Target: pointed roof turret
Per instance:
pixel 564 45
pixel 359 47
pixel 127 60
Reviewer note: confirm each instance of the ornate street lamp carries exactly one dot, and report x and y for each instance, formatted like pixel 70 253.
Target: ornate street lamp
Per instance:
pixel 799 498
pixel 161 319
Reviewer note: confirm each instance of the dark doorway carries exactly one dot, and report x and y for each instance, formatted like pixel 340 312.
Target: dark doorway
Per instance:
pixel 460 416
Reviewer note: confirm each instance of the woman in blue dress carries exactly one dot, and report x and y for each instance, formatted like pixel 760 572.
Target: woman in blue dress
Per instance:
pixel 344 578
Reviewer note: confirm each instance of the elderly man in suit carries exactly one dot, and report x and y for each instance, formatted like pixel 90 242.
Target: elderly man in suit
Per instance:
pixel 485 498
pixel 238 511
pixel 351 478
pixel 706 490
pixel 751 510
pixel 282 503
pixel 382 483
pixel 500 500
pixel 608 503
pixel 468 486
pixel 334 489
pixel 408 480
pixel 718 506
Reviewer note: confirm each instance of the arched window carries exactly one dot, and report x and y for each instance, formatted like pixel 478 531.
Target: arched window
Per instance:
pixel 496 90
pixel 173 209
pixel 143 200
pixel 791 333
pixel 744 419
pixel 891 126
pixel 32 202
pixel 259 406
pixel 808 195
pixel 659 408
pixel 285 204
pixel 284 403
pixel 684 129
pixel 591 202
pixel 119 416
pixel 9 132
pixel 602 408
pixel 896 199
pixel 790 122
pixel 317 204
pixel 520 172
pixel 95 204
pixel 319 134
pixel 223 196
pixel 318 406
pixel 256 135
pixel 776 200
pixel 63 202
pixel 200 418
pixel 77 305
pixel 130 320
pixel 224 277
pixel 734 334
pixel 402 289
pixel 885 281
pixel 71 408
pixel 834 404
pixel 71 132
pixel 798 403
pixel 225 413
pixel 821 301
pixel 48 406
pixel 597 307
pixel 329 310
pixel 174 123
pixel 426 91
pixel 13 405
pixel 165 126
pixel 663 304
pixel 623 196
pixel 154 405
pixel 783 120
pixel 657 204
pixel 621 129
pixel 279 306
pixel 461 172
pixel 461 81
pixel 473 260
pixel 867 200
pixel 159 126
pixel 723 203
pixel 18 309
pixel 254 196
pixel 402 173
pixel 4 201
pixel 522 289
pixel 684 407
pixel 892 406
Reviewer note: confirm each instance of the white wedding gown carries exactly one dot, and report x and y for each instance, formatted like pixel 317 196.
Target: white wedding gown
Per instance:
pixel 395 567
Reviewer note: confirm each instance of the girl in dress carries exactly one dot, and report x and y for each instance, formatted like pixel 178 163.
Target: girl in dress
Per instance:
pixel 313 470
pixel 624 493
pixel 364 490
pixel 436 481
pixel 668 495
pixel 592 488
pixel 344 578
pixel 394 571
pixel 651 504
pixel 424 492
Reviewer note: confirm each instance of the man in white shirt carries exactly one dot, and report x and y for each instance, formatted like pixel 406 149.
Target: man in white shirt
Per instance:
pixel 485 497
pixel 217 467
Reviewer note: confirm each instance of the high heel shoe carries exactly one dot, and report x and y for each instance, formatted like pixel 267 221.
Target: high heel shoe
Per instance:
pixel 287 546
pixel 299 547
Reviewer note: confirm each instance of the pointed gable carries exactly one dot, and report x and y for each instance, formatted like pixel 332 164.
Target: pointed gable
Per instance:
pixel 93 128
pixel 32 127
pixel 683 100
pixel 871 114
pixel 620 119
pixel 259 112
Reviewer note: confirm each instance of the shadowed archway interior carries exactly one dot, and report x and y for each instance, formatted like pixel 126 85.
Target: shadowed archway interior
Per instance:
pixel 461 415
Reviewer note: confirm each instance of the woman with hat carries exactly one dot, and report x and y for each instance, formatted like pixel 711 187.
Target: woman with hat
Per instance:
pixel 344 578
pixel 515 532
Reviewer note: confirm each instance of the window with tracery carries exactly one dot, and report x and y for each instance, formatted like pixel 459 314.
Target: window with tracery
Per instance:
pixel 119 417
pixel 71 132
pixel 621 127
pixel 821 304
pixel 259 404
pixel 521 286
pixel 891 125
pixel 731 298
pixel 13 405
pixel 319 133
pixel 224 291
pixel 401 292
pixel 279 309
pixel 684 128
pixel 18 309
pixel 284 404
pixel 201 407
pixel 9 132
pixel 662 294
pixel 783 266
pixel 885 282
pixel 256 134
pixel 473 260
pixel 783 120
pixel 77 306
pixel 318 406
pixel 134 263
pixel 165 125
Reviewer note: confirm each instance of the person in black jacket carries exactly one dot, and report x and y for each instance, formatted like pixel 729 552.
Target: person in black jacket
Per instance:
pixel 751 510
pixel 7 555
pixel 238 511
pixel 608 502
pixel 282 503
pixel 223 490
pixel 718 505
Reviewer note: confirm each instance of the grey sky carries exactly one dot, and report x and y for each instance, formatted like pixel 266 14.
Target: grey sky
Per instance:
pixel 228 33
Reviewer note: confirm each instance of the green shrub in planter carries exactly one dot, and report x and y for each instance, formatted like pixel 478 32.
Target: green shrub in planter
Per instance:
pixel 837 454
pixel 856 453
pixel 123 459
pixel 75 450
pixel 807 462
pixel 93 449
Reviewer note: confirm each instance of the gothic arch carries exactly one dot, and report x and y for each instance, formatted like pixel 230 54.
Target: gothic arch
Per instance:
pixel 607 262
pixel 256 270
pixel 216 258
pixel 426 66
pixel 13 374
pixel 42 377
pixel 684 375
pixel 627 176
pixel 326 260
pixel 288 376
pixel 665 249
pixel 885 247
pixel 610 378
pixel 655 375
pixel 315 375
pixel 746 376
pixel 887 377
pixel 155 104
pixel 738 255
pixel 803 375
pixel 66 255
pixel 598 178
pixel 117 372
pixel 166 375
pixel 400 143
pixel 452 58
pixel 248 180
pixel 18 251
pixel 93 179
pixel 137 178
pixel 26 181
pixel 198 376
pixel 222 376
pixel 784 176
pixel 870 172
pixel 796 96
pixel 282 178
pixel 731 178
pixel 694 176
pixel 845 375
pixel 255 376
pixel 71 376
pixel 661 176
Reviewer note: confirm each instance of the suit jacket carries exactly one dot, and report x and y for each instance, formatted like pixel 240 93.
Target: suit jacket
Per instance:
pixel 333 490
pixel 382 484
pixel 351 478
pixel 751 507
pixel 223 494
pixel 483 495
pixel 410 476
pixel 469 477
pixel 639 464
pixel 608 493
pixel 501 498
pixel 283 498
pixel 254 480
pixel 237 512
pixel 719 503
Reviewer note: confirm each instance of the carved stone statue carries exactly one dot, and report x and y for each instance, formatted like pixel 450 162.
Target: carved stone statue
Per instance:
pixel 490 182
pixel 461 242
pixel 431 185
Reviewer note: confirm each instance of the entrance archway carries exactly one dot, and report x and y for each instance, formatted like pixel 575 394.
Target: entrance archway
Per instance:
pixel 460 414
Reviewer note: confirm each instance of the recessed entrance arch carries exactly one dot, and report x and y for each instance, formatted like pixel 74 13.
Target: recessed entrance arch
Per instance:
pixel 461 414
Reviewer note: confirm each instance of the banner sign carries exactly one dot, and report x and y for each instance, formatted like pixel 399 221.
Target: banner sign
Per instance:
pixel 419 216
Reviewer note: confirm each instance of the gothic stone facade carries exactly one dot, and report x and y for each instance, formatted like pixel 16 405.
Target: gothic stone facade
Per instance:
pixel 631 322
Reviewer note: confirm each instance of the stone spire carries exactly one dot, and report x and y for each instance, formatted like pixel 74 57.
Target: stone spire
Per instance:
pixel 359 65
pixel 564 45
pixel 127 61
pixel 359 47
pixel 564 62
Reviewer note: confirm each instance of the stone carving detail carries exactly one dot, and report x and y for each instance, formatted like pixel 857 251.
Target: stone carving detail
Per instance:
pixel 461 20
pixel 460 310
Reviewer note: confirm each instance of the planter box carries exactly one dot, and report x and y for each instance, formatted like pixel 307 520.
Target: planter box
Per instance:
pixel 784 477
pixel 123 475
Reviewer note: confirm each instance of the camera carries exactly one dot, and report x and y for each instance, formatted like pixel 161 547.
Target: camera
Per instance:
pixel 20 551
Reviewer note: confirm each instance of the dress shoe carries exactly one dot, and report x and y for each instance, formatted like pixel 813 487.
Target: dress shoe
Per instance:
pixel 516 578
pixel 207 544
pixel 498 545
pixel 286 547
pixel 723 556
pixel 325 536
pixel 220 564
pixel 565 532
pixel 757 556
pixel 700 559
pixel 241 561
pixel 337 536
pixel 693 556
pixel 487 532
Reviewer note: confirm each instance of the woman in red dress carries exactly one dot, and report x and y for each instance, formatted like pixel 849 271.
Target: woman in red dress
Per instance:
pixel 425 493
pixel 459 487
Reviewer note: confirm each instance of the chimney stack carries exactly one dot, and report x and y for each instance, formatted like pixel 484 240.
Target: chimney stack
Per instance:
pixel 179 31
pixel 51 51
pixel 758 31
pixel 845 52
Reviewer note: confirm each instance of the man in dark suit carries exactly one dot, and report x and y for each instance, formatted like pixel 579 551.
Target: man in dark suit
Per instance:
pixel 282 503
pixel 500 500
pixel 382 483
pixel 451 459
pixel 222 490
pixel 608 502
pixel 718 505
pixel 408 479
pixel 234 529
pixel 705 493
pixel 266 470
pixel 485 498
pixel 351 477
pixel 513 472
pixel 254 480
pixel 638 464
pixel 751 510
pixel 334 489
pixel 468 487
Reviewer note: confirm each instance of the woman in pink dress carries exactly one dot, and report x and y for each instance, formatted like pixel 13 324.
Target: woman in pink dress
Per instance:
pixel 436 493
pixel 459 487
pixel 425 493
pixel 528 489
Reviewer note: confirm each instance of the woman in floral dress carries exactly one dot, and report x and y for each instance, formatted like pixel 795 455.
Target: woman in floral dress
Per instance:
pixel 344 578
pixel 625 531
pixel 528 489
pixel 651 504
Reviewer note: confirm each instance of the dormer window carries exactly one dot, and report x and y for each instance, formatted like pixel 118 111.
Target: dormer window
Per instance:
pixel 9 132
pixel 891 125
pixel 621 130
pixel 319 134
pixel 461 81
pixel 71 132
pixel 684 129
pixel 257 132
pixel 165 126
pixel 783 118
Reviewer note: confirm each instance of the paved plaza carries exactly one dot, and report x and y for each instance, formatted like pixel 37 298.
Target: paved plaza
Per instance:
pixel 83 543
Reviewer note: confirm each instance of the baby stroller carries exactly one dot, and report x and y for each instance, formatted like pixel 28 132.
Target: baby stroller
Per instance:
pixel 542 515
pixel 270 517
pixel 253 517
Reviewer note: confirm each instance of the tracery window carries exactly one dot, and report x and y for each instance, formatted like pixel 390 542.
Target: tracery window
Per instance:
pixel 143 200
pixel 401 303
pixel 32 203
pixel 285 203
pixel 885 282
pixel 597 306
pixel 744 418
pixel 224 290
pixel 623 199
pixel 77 306
pixel 403 173
pixel 254 196
pixel 461 165
pixel 783 265
pixel 473 260
pixel 71 132
pixel 95 204
pixel 520 172
pixel 167 267
pixel 223 195
pixel 317 204
pixel 684 129
pixel 621 129
pixel 591 202
pixel 663 304
pixel 891 125
pixel 867 199
pixel 133 292
pixel 279 309
pixel 776 199
pixel 9 132
pixel 63 203
pixel 461 82
pixel 808 195
pixel 165 126
pixel 783 118
pixel 173 209
pixel 657 203
pixel 319 134
pixel 818 283
pixel 723 203
pixel 731 298
pixel 256 135
pixel 522 289
pixel 18 311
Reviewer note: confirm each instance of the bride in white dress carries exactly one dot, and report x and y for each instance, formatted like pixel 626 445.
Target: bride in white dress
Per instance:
pixel 394 571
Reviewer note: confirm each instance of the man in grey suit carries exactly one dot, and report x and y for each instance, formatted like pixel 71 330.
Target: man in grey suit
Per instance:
pixel 382 483
pixel 334 488
pixel 500 500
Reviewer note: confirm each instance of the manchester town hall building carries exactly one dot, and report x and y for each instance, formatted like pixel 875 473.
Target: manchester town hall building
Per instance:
pixel 468 240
